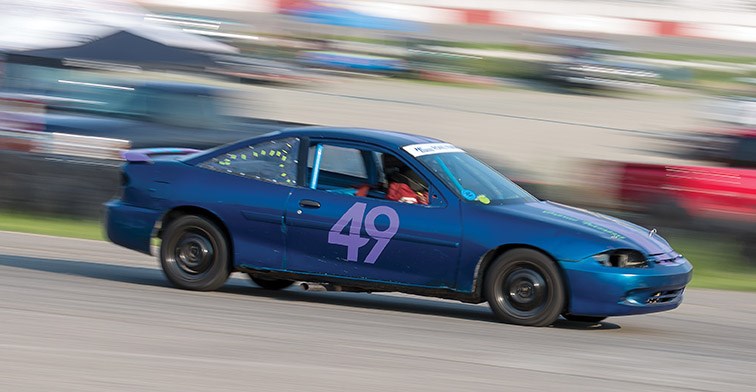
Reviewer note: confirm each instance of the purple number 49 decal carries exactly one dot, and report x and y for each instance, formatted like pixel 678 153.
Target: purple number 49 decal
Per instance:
pixel 354 241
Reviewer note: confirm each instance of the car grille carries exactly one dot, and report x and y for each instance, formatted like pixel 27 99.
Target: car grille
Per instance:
pixel 669 261
pixel 660 297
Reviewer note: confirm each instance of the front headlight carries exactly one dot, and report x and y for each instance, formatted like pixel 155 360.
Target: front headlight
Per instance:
pixel 622 258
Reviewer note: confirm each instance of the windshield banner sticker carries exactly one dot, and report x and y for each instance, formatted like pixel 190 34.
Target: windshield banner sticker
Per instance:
pixel 417 150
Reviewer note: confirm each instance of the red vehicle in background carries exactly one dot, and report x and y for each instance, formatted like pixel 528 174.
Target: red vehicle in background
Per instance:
pixel 721 198
pixel 718 198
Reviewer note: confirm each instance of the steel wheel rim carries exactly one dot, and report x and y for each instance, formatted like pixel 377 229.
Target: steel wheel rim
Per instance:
pixel 523 290
pixel 194 252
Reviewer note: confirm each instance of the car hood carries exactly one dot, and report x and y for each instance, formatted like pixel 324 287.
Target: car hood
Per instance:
pixel 611 232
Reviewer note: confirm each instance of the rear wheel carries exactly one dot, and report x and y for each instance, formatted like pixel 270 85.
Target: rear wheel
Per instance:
pixel 271 284
pixel 194 254
pixel 524 287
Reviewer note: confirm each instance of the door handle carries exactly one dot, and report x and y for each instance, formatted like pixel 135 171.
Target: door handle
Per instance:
pixel 307 203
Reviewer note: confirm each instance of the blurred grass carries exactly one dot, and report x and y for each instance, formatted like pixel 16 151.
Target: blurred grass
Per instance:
pixel 486 66
pixel 536 47
pixel 701 79
pixel 707 80
pixel 718 263
pixel 63 227
pixel 694 57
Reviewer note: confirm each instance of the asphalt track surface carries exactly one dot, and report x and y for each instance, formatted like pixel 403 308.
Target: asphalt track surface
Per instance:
pixel 80 315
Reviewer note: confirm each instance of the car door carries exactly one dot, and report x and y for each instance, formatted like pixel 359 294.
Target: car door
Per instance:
pixel 248 187
pixel 333 232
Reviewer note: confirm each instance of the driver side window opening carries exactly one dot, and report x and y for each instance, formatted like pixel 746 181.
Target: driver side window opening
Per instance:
pixel 364 173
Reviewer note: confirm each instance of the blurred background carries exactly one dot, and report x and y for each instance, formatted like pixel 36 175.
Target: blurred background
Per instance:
pixel 642 109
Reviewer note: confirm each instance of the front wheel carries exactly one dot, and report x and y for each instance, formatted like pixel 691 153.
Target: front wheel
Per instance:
pixel 194 254
pixel 524 287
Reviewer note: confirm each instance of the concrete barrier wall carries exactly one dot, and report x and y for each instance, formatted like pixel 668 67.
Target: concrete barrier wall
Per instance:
pixel 49 184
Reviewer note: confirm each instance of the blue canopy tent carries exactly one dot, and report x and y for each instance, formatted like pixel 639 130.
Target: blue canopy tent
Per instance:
pixel 335 14
pixel 338 14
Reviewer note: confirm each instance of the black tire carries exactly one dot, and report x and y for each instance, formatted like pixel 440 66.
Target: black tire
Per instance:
pixel 194 254
pixel 524 287
pixel 583 319
pixel 271 284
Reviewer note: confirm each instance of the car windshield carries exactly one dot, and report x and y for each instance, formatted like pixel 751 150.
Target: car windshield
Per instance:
pixel 473 180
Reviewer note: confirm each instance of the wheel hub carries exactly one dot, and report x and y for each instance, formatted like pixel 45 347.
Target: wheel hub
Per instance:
pixel 525 289
pixel 194 253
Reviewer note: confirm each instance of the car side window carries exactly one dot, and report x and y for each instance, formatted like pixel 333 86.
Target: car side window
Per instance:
pixel 272 161
pixel 341 169
pixel 340 160
pixel 366 173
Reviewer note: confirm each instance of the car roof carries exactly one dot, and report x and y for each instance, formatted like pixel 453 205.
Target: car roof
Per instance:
pixel 389 139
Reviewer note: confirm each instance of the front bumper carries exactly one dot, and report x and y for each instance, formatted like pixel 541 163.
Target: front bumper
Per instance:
pixel 597 290
pixel 129 226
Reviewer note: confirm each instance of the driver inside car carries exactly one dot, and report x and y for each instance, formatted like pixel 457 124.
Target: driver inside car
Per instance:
pixel 404 185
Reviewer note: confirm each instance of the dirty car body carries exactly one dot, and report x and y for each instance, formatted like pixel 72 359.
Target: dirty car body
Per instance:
pixel 284 207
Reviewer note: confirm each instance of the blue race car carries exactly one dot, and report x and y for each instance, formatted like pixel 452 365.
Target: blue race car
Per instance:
pixel 370 211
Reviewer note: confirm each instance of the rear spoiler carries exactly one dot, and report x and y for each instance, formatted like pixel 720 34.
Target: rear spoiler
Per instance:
pixel 145 155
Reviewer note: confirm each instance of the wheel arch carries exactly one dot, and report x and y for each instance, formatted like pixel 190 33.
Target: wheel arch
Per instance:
pixel 179 211
pixel 487 259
